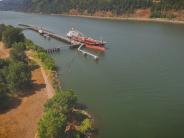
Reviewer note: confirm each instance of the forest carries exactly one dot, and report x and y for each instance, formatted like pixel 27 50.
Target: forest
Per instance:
pixel 117 7
pixel 158 8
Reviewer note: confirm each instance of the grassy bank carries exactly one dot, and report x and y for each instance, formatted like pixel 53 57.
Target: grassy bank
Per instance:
pixel 47 64
pixel 63 106
pixel 63 116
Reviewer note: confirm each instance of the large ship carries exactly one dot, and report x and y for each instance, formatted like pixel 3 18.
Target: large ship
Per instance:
pixel 88 42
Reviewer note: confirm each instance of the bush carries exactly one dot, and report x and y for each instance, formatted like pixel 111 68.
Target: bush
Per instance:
pixel 2 29
pixel 54 120
pixel 31 46
pixel 46 59
pixel 3 63
pixel 52 125
pixel 11 35
pixel 3 92
pixel 85 126
pixel 4 99
pixel 18 52
pixel 158 14
pixel 18 76
pixel 63 102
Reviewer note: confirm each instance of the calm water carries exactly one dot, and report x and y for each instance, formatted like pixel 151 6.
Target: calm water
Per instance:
pixel 136 90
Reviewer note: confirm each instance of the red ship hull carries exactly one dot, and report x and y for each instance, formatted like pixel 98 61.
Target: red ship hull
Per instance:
pixel 77 37
pixel 98 48
pixel 88 41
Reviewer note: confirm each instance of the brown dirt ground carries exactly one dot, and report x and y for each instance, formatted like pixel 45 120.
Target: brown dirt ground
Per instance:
pixel 21 120
pixel 4 52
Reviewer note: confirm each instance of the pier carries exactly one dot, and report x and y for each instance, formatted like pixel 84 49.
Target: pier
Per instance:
pixel 63 38
pixel 87 53
pixel 53 50
pixel 47 33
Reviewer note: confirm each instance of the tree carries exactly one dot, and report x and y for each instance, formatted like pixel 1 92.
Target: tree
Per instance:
pixel 3 63
pixel 2 29
pixel 17 53
pixel 46 59
pixel 85 126
pixel 12 35
pixel 54 120
pixel 63 102
pixel 18 76
pixel 3 92
pixel 52 125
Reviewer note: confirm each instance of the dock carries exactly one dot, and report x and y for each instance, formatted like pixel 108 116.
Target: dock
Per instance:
pixel 63 38
pixel 47 33
pixel 87 53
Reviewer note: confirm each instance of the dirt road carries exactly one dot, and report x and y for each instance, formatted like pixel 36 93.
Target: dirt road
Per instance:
pixel 21 120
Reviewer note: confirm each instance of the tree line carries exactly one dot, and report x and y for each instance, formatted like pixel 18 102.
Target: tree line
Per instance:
pixel 15 73
pixel 117 7
pixel 158 8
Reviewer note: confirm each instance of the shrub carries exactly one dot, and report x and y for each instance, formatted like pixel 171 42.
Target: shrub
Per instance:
pixel 85 126
pixel 62 102
pixel 52 125
pixel 17 53
pixel 2 29
pixel 46 59
pixel 54 120
pixel 18 76
pixel 12 35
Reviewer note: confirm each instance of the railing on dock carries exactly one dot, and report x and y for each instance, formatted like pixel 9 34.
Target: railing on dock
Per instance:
pixel 87 53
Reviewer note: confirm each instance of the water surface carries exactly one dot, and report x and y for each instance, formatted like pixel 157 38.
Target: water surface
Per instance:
pixel 136 90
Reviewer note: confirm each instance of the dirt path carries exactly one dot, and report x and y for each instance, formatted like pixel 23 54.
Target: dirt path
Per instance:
pixel 21 120
pixel 50 89
pixel 4 52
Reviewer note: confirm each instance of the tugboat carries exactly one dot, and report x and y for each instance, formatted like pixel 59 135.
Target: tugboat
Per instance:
pixel 88 42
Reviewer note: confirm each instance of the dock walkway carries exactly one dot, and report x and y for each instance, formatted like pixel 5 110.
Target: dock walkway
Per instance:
pixel 49 34
pixel 45 32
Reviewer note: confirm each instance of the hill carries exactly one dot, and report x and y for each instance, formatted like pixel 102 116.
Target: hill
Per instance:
pixel 157 8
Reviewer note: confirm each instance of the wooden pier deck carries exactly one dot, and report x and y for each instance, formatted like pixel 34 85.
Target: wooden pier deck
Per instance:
pixel 45 32
pixel 49 34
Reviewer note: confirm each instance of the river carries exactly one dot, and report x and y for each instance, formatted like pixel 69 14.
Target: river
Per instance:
pixel 136 89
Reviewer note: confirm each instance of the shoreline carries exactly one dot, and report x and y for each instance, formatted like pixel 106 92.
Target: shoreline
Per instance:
pixel 138 19
pixel 49 87
pixel 115 18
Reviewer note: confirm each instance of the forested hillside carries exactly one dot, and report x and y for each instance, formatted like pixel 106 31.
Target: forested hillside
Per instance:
pixel 11 4
pixel 158 8
pixel 91 6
